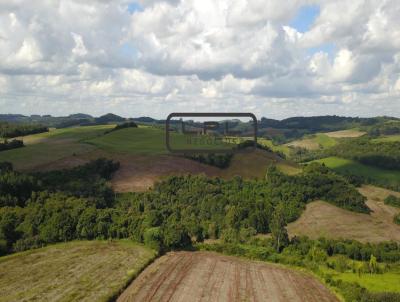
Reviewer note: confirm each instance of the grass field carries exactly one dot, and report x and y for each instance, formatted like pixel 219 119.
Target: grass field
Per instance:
pixel 353 167
pixel 389 138
pixel 44 148
pixel 74 271
pixel 387 282
pixel 146 140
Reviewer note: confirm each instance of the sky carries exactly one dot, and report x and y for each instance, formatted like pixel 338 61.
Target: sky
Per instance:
pixel 274 58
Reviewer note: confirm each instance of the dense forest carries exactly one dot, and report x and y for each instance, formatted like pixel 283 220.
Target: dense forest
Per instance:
pixel 9 130
pixel 71 204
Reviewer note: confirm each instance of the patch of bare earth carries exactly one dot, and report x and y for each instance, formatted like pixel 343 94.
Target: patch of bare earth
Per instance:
pixel 140 172
pixel 205 276
pixel 345 134
pixel 321 219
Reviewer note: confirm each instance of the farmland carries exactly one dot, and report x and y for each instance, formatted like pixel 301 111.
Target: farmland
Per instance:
pixel 321 219
pixel 350 166
pixel 314 142
pixel 204 276
pixel 74 271
pixel 50 147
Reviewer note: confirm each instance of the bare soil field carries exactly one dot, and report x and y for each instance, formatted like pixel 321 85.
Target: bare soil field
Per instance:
pixel 205 276
pixel 323 219
pixel 345 134
pixel 140 172
pixel 74 271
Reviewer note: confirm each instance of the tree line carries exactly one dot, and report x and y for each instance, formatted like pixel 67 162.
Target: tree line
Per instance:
pixel 10 130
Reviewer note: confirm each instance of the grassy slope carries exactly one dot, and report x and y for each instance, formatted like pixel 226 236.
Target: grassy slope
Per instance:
pixel 143 140
pixel 51 146
pixel 387 282
pixel 314 142
pixel 74 271
pixel 347 165
pixel 389 138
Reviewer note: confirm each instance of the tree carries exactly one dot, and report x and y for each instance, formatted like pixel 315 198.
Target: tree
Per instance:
pixel 279 233
pixel 373 265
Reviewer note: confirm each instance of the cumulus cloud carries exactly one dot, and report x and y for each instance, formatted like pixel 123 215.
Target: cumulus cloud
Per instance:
pixel 98 56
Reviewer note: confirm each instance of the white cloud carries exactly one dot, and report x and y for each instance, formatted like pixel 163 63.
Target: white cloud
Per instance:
pixel 95 56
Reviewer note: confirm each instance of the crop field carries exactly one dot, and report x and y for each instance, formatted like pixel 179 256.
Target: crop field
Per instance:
pixel 321 219
pixel 74 271
pixel 353 167
pixel 205 276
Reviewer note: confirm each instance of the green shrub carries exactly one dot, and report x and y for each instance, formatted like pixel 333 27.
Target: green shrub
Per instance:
pixel 392 201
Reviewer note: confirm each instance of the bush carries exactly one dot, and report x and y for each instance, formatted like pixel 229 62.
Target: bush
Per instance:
pixel 153 238
pixel 396 219
pixel 392 200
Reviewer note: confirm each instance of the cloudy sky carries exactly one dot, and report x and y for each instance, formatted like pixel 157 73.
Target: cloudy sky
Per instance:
pixel 275 58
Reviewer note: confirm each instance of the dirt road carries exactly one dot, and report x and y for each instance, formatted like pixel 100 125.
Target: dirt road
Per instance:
pixel 205 276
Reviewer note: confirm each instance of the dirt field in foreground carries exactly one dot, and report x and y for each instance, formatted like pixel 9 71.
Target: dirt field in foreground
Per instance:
pixel 204 276
pixel 321 219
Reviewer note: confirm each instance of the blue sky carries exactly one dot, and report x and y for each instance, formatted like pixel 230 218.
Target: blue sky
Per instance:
pixel 134 7
pixel 305 18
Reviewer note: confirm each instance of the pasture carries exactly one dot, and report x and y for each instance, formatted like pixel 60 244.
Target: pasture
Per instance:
pixel 342 165
pixel 74 271
pixel 50 147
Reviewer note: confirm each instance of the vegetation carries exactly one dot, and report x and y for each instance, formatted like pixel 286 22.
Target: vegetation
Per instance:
pixel 384 155
pixel 77 203
pixel 218 160
pixel 396 219
pixel 123 126
pixel 347 266
pixel 360 173
pixel 73 271
pixel 9 130
pixel 8 145
pixel 392 201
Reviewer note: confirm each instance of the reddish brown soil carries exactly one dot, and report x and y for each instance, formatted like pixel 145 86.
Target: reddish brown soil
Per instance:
pixel 204 276
pixel 139 173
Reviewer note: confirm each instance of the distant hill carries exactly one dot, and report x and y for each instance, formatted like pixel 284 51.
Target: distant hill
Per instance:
pixel 108 118
pixel 80 116
pixel 144 119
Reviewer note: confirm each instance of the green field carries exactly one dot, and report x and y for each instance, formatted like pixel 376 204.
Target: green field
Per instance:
pixel 74 271
pixel 387 282
pixel 385 139
pixel 146 140
pixel 325 141
pixel 347 165
pixel 276 148
pixel 44 148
